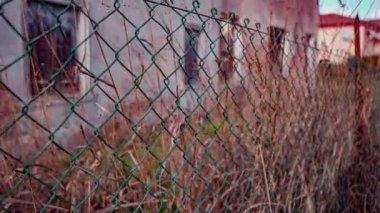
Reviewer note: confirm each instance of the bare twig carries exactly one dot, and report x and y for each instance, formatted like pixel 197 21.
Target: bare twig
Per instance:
pixel 11 201
pixel 129 205
pixel 265 178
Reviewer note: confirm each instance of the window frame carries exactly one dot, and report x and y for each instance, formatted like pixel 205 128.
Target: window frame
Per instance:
pixel 2 75
pixel 226 56
pixel 82 53
pixel 307 49
pixel 276 45
pixel 192 32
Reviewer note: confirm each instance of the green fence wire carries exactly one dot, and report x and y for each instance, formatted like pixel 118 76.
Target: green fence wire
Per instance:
pixel 139 106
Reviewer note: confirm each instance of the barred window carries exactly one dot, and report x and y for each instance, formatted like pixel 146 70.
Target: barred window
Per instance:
pixel 276 44
pixel 192 38
pixel 52 30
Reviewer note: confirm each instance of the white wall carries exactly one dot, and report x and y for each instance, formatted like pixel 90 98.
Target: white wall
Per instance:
pixel 332 41
pixel 298 18
pixel 107 53
pixel 338 42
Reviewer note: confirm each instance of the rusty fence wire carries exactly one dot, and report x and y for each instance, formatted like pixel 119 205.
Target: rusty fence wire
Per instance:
pixel 153 106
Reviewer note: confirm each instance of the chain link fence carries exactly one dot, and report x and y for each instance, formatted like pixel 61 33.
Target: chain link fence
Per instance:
pixel 138 106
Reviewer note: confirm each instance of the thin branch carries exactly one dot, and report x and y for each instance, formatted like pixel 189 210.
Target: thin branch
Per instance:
pixel 12 201
pixel 129 205
pixel 265 178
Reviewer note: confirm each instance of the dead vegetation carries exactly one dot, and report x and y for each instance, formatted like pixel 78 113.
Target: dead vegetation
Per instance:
pixel 260 155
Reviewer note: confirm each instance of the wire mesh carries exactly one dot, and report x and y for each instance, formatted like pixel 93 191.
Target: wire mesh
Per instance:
pixel 171 109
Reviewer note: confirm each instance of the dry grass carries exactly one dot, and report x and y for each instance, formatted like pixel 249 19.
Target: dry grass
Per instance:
pixel 296 153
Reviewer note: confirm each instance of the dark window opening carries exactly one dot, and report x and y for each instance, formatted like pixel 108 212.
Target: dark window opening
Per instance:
pixel 276 44
pixel 52 30
pixel 307 49
pixel 226 42
pixel 192 54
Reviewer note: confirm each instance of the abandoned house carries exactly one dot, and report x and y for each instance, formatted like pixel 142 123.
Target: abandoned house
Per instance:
pixel 97 58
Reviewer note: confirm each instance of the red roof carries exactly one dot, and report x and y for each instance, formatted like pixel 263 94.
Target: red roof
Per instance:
pixel 374 22
pixel 336 20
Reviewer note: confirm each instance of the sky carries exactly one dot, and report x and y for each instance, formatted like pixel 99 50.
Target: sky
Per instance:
pixel 367 9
